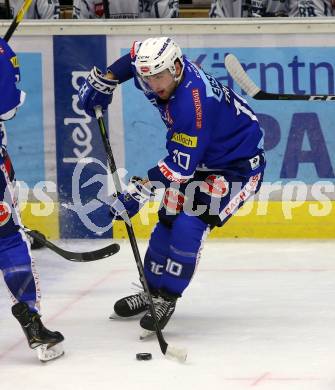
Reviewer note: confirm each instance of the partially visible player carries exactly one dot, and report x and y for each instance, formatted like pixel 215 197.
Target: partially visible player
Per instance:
pixel 248 8
pixel 16 262
pixel 125 9
pixel 39 9
pixel 214 163
pixel 311 8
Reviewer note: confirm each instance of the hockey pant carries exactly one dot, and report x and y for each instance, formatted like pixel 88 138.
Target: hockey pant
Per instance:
pixel 16 262
pixel 175 245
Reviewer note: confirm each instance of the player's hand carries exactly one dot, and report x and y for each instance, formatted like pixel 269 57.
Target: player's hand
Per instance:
pixel 130 201
pixel 97 90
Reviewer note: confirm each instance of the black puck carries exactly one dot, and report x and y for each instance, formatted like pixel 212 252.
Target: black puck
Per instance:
pixel 143 356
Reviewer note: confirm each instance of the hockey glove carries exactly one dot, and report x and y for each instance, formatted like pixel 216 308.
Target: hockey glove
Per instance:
pixel 96 90
pixel 130 201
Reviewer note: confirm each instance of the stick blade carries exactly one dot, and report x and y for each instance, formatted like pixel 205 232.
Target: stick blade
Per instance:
pixel 235 69
pixel 146 334
pixel 98 254
pixel 179 354
pixel 83 257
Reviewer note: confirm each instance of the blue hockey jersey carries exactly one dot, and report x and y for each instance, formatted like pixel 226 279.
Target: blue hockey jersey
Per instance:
pixel 10 96
pixel 210 127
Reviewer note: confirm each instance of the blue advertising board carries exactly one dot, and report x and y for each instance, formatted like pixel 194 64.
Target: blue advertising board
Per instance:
pixel 299 135
pixel 81 159
pixel 26 137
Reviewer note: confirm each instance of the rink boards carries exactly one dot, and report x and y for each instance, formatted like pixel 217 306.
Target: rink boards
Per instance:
pixel 62 162
pixel 255 220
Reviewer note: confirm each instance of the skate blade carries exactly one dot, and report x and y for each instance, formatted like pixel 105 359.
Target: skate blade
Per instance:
pixel 46 353
pixel 115 316
pixel 147 334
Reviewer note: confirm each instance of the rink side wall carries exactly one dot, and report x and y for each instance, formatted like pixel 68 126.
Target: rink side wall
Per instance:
pixel 60 160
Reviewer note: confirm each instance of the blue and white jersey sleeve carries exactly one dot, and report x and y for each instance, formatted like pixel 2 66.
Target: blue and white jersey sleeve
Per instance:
pixel 10 96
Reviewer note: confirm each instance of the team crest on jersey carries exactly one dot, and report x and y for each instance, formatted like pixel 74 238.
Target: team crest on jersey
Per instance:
pixel 99 10
pixel 5 213
pixel 215 186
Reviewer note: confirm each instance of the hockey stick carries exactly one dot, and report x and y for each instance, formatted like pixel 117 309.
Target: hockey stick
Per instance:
pixel 81 257
pixel 237 72
pixel 177 353
pixel 16 21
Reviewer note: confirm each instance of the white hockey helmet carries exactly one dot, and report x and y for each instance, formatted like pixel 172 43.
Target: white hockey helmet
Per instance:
pixel 158 54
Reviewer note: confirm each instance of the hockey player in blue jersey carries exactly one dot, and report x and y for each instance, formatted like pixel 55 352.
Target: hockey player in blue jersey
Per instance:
pixel 214 163
pixel 16 262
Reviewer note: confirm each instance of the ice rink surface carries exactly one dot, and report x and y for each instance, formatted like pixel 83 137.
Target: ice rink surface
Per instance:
pixel 258 314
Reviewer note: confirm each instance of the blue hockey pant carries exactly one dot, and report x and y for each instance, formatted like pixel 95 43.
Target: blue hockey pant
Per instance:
pixel 175 245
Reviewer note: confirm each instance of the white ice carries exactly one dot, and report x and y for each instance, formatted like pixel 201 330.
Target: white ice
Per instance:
pixel 258 314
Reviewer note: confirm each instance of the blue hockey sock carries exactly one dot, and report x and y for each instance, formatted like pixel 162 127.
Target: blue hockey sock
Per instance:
pixel 173 254
pixel 156 255
pixel 17 268
pixel 187 237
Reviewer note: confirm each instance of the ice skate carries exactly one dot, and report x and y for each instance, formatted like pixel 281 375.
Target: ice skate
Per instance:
pixel 130 306
pixel 46 342
pixel 164 305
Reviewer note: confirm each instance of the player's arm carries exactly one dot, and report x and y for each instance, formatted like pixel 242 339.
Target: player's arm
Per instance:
pixel 181 162
pixel 121 69
pixel 186 148
pixel 10 96
pixel 168 171
pixel 178 166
